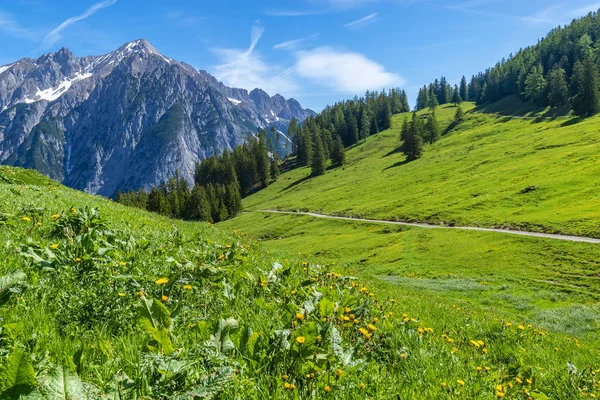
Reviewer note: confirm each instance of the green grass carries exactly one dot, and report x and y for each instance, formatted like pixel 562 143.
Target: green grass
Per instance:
pixel 538 175
pixel 544 282
pixel 93 317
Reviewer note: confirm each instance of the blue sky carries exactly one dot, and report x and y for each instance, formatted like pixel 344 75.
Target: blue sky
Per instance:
pixel 318 51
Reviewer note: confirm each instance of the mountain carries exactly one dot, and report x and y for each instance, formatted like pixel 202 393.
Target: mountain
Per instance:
pixel 127 119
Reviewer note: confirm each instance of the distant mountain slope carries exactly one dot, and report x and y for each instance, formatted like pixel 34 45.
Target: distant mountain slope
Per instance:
pixel 127 119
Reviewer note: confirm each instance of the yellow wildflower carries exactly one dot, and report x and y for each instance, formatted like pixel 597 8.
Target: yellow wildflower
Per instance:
pixel 78 259
pixel 164 298
pixel 300 339
pixel 55 217
pixel 460 382
pixel 286 385
pixel 327 389
pixel 54 246
pixel 162 281
pixel 363 331
pixel 121 294
pixel 188 287
pixel 26 219
pixel 372 328
pixel 444 384
pixel 299 317
pixel 529 381
pixel 475 343
pixel 521 327
pixel 347 310
pixel 339 372
pixel 123 263
pixel 361 385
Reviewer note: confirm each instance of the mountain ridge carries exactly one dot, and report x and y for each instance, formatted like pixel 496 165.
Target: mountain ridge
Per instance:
pixel 90 122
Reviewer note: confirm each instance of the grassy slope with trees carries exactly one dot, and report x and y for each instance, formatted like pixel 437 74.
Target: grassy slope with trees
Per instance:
pixel 103 301
pixel 533 174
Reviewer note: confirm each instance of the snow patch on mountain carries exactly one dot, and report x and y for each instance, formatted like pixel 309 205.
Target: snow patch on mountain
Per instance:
pixel 5 68
pixel 234 101
pixel 54 93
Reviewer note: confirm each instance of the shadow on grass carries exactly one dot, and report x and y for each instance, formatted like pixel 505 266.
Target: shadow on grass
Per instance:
pixel 398 164
pixel 395 151
pixel 296 183
pixel 573 121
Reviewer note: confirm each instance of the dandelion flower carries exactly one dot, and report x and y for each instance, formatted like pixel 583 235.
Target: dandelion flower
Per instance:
pixel 403 356
pixel 55 217
pixel 460 382
pixel 78 259
pixel 286 385
pixel 299 317
pixel 521 327
pixel 347 310
pixel 300 339
pixel 123 263
pixel 188 287
pixel 529 381
pixel 121 294
pixel 327 389
pixel 162 281
pixel 26 219
pixel 361 385
pixel 54 246
pixel 339 372
pixel 444 384
pixel 372 328
pixel 164 298
pixel 364 331
pixel 518 380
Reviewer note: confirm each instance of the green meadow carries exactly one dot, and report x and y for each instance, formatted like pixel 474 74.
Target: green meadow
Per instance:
pixel 537 174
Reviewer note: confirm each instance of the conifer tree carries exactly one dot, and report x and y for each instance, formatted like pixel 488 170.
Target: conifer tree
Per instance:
pixel 275 168
pixel 422 99
pixel 535 85
pixel 338 155
pixel 318 158
pixel 463 91
pixel 262 160
pixel 558 91
pixel 433 99
pixel 459 116
pixel 587 102
pixel 413 145
pixel 365 125
pixel 432 128
pixel 404 102
pixel 456 97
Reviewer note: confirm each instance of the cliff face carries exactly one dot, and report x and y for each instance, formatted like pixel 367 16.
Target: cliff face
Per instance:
pixel 127 119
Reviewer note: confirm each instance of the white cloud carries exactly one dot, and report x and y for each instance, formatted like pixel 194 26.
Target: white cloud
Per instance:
pixel 544 16
pixel 55 34
pixel 291 44
pixel 344 71
pixel 360 23
pixel 248 70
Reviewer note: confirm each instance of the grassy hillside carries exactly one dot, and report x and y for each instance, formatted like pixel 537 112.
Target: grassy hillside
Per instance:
pixel 536 174
pixel 102 301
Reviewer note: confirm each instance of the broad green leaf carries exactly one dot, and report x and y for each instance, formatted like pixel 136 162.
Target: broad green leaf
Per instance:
pixel 9 283
pixel 63 384
pixel 16 372
pixel 155 319
pixel 210 386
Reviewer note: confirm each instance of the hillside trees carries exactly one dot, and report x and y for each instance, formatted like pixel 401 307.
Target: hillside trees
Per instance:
pixel 567 57
pixel 432 128
pixel 413 138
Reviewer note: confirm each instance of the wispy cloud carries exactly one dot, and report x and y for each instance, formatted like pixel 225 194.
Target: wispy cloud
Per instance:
pixel 344 71
pixel 291 44
pixel 544 16
pixel 361 23
pixel 182 20
pixel 9 26
pixel 295 13
pixel 247 69
pixel 55 34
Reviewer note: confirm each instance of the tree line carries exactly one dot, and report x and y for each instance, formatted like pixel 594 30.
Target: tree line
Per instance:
pixel 562 69
pixel 220 182
pixel 342 125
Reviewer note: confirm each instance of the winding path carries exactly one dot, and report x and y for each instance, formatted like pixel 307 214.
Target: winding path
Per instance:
pixel 581 239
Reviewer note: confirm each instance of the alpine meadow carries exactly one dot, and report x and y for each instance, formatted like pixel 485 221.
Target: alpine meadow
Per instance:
pixel 185 230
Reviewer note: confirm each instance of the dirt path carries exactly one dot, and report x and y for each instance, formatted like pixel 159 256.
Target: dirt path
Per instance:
pixel 568 238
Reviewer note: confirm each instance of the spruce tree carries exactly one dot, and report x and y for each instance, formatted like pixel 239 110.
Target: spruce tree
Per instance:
pixel 587 101
pixel 432 128
pixel 365 125
pixel 338 155
pixel 535 85
pixel 318 158
pixel 459 116
pixel 413 145
pixel 463 91
pixel 558 91
pixel 422 99
pixel 275 168
pixel 433 99
pixel 456 97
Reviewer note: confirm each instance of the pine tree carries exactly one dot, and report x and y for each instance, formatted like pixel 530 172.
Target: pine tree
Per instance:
pixel 365 125
pixel 432 128
pixel 262 160
pixel 405 129
pixel 304 146
pixel 558 91
pixel 422 99
pixel 535 85
pixel 275 168
pixel 318 158
pixel 587 101
pixel 463 91
pixel 459 116
pixel 433 99
pixel 338 155
pixel 404 102
pixel 352 130
pixel 456 97
pixel 413 145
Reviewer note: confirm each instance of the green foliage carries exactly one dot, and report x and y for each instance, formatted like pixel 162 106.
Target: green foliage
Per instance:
pixel 156 321
pixel 413 139
pixel 16 373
